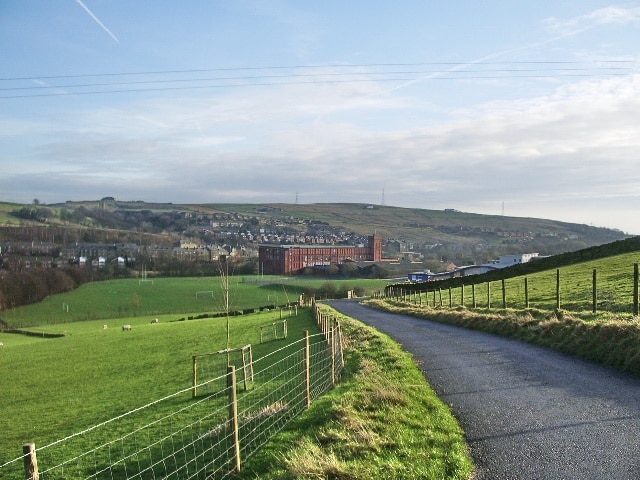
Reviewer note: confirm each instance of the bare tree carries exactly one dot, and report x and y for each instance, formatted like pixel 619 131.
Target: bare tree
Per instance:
pixel 223 270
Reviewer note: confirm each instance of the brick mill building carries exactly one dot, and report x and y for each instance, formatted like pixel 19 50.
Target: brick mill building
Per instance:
pixel 292 259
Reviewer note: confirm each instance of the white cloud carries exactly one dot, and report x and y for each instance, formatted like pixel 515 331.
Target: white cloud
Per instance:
pixel 576 147
pixel 603 16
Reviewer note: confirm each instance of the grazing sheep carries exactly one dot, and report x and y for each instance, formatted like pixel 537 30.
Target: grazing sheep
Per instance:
pixel 126 327
pixel 155 320
pixel 1 344
pixel 104 327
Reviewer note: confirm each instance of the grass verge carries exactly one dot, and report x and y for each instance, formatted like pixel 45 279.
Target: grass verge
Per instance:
pixel 604 338
pixel 382 421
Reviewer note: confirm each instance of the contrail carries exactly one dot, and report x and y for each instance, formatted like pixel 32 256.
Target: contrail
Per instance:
pixel 491 56
pixel 79 2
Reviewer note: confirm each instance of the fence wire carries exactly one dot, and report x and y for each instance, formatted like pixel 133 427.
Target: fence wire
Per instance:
pixel 180 437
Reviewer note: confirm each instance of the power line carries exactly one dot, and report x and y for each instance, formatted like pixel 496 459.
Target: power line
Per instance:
pixel 554 70
pixel 336 74
pixel 291 67
pixel 197 87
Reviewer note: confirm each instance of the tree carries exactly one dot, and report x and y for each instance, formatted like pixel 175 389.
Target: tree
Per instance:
pixel 376 271
pixel 223 268
pixel 349 269
pixel 332 270
pixel 328 290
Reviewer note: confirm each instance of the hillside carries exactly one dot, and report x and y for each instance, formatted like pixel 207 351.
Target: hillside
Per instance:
pixel 422 225
pixel 410 234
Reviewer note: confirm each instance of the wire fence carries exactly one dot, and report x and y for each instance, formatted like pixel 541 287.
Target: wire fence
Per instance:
pixel 206 437
pixel 572 290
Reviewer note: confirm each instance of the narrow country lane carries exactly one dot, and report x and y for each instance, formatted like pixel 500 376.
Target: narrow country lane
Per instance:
pixel 527 412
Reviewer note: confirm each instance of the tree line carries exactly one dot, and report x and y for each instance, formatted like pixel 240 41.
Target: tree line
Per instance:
pixel 18 288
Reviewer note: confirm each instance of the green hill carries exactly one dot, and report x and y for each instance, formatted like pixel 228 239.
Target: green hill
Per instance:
pixel 418 225
pixel 439 235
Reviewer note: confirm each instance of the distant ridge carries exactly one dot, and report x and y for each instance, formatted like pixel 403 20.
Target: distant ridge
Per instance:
pixel 407 227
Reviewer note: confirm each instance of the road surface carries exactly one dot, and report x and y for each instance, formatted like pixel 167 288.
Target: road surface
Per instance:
pixel 527 412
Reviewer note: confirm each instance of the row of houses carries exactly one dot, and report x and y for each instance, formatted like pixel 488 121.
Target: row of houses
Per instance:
pixel 273 258
pixel 264 237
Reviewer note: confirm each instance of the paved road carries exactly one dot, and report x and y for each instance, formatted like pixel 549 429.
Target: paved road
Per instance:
pixel 528 412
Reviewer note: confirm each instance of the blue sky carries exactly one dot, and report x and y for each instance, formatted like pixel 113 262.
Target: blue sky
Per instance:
pixel 524 108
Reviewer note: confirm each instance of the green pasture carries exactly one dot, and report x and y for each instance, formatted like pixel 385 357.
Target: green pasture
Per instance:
pixel 5 218
pixel 53 387
pixel 170 296
pixel 614 279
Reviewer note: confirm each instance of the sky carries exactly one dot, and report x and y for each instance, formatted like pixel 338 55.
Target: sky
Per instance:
pixel 526 109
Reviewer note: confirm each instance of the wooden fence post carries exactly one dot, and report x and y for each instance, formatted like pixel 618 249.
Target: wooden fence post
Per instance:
pixel 233 414
pixel 488 294
pixel 307 368
pixel 635 289
pixel 526 292
pixel 450 298
pixel 30 461
pixel 195 377
pixel 504 293
pixel 339 346
pixel 462 294
pixel 594 292
pixel 558 289
pixel 473 295
pixel 333 354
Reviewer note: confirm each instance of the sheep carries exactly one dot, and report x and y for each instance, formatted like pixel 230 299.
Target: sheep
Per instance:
pixel 126 327
pixel 104 327
pixel 1 344
pixel 155 320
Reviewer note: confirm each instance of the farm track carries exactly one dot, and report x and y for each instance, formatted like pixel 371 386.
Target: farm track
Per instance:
pixel 528 412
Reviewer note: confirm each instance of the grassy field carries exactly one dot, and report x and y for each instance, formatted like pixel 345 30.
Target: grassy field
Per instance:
pixel 614 277
pixel 382 414
pixel 170 296
pixel 52 387
pixel 5 218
